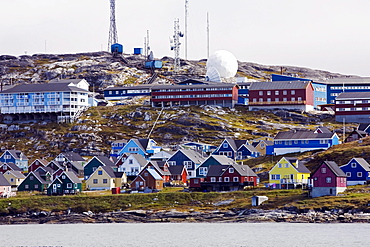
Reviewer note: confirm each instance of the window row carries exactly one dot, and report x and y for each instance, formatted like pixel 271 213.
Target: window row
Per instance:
pixel 293 99
pixel 191 96
pixel 284 92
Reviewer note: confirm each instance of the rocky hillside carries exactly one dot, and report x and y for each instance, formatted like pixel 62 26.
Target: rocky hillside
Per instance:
pixel 102 70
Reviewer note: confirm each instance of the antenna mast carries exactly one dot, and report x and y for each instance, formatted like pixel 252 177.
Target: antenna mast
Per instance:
pixel 113 39
pixel 176 45
pixel 186 28
pixel 207 35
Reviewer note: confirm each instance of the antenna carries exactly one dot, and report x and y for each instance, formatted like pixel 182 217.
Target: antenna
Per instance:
pixel 186 28
pixel 113 38
pixel 176 45
pixel 207 35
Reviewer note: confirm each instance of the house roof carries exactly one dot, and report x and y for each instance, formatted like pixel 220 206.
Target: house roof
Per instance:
pixel 176 170
pixel 363 127
pixel 216 170
pixel 18 154
pixel 39 176
pixel 222 159
pixel 362 162
pixel 162 155
pixel 43 169
pixel 128 88
pixel 193 155
pixel 4 181
pixel 42 161
pixel 158 166
pixel 109 170
pixel 235 144
pixel 322 129
pixel 105 160
pixel 300 167
pixel 154 174
pixel 279 85
pixel 244 170
pixel 210 85
pixel 17 174
pixel 72 156
pixel 353 95
pixel 335 168
pixel 72 176
pixel 139 158
pixel 298 135
pixel 11 165
pixel 45 87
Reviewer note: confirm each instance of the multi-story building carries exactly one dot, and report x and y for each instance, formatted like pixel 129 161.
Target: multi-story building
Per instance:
pixel 222 94
pixel 58 100
pixel 349 85
pixel 120 93
pixel 353 107
pixel 290 95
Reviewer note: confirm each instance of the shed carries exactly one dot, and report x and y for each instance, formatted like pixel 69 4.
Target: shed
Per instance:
pixel 257 200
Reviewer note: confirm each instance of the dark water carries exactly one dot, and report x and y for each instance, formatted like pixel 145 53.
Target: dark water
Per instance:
pixel 187 234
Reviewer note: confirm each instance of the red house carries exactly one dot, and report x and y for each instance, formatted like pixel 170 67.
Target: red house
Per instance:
pixel 178 175
pixel 36 164
pixel 328 180
pixel 8 167
pixel 291 95
pixel 222 94
pixel 161 167
pixel 147 179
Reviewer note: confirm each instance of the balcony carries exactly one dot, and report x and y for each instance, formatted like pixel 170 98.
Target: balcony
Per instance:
pixel 301 102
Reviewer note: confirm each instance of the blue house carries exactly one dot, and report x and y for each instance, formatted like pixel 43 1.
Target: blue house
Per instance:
pixel 191 159
pixel 116 146
pixel 211 161
pixel 145 147
pixel 236 149
pixel 17 157
pixel 357 171
pixel 120 93
pixel 243 93
pixel 302 141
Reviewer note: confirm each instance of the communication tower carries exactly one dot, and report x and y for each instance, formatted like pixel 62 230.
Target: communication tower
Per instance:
pixel 113 38
pixel 186 28
pixel 175 45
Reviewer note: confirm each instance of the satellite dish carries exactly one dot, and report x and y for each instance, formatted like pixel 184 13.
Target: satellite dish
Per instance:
pixel 213 75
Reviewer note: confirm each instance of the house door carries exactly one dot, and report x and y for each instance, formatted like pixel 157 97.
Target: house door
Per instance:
pixel 137 185
pixel 54 188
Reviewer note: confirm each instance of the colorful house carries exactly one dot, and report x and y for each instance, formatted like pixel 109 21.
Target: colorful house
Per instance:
pixel 327 180
pixel 17 157
pixel 37 163
pixel 301 141
pixel 356 135
pixel 357 171
pixel 144 147
pixel 191 159
pixel 4 167
pixel 202 170
pixel 289 173
pixel 178 175
pixel 264 147
pixel 162 168
pixel 105 178
pixel 94 163
pixel 236 149
pixel 147 179
pixel 5 187
pixel 133 164
pixel 66 183
pixel 116 146
pixel 36 181
pixel 15 178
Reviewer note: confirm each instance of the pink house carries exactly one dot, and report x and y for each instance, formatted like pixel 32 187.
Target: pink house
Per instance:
pixel 328 180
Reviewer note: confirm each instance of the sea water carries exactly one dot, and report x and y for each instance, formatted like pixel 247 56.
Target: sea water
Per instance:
pixel 186 234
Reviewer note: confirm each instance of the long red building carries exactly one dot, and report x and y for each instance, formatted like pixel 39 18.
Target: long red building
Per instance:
pixel 221 94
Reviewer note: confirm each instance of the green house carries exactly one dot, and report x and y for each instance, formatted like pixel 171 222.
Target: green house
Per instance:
pixel 36 181
pixel 66 183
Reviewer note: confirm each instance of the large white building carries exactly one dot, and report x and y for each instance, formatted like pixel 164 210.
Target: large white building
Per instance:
pixel 58 100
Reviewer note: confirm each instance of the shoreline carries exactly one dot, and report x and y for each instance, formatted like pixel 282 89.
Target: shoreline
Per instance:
pixel 174 216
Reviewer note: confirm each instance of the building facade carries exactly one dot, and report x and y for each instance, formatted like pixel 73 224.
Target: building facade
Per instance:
pixel 353 107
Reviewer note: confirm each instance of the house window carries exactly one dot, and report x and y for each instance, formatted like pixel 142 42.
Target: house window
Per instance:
pixel 203 171
pixel 328 180
pixel 275 176
pixel 293 99
pixel 299 98
pixel 260 93
pixel 171 163
pixel 231 170
pixel 348 174
pixel 359 174
pixel 226 179
pixel 286 165
pixel 292 92
pixel 268 92
pixel 12 180
pixel 220 179
pixel 280 165
pixel 63 177
pixel 276 92
pixel 36 186
pixel 268 99
pixel 285 92
pixel 130 161
pixel 225 145
pixel 285 99
pixel 188 164
pixel 235 179
pixel 213 179
pixel 240 154
pixel 100 172
pixel 260 100
pixel 196 181
pixel 31 177
pixel 276 99
pixel 145 174
pixel 26 186
pixel 353 165
pixel 7 157
pixel 323 170
pixel 105 181
pixel 95 181
pixel 69 186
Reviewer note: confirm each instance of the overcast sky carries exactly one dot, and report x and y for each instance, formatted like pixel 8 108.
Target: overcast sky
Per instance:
pixel 331 35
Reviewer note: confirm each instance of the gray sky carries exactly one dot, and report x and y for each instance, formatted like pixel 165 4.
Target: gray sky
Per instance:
pixel 330 35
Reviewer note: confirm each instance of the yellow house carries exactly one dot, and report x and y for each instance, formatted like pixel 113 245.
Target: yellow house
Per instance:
pixel 105 178
pixel 261 146
pixel 15 178
pixel 288 173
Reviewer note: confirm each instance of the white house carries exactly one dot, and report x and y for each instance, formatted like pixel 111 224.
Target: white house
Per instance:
pixel 133 165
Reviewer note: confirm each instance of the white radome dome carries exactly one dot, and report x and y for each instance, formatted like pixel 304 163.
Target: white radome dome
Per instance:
pixel 224 62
